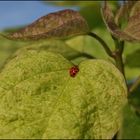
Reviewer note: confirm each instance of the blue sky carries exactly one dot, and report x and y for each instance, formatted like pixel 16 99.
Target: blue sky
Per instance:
pixel 18 13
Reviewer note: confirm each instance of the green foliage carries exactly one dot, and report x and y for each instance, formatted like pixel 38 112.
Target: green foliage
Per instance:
pixel 39 99
pixel 7 48
pixel 52 45
pixel 131 124
pixel 132 59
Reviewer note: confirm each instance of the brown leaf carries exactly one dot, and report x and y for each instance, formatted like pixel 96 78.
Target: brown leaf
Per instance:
pixel 124 11
pixel 108 17
pixel 133 27
pixel 54 25
pixel 135 9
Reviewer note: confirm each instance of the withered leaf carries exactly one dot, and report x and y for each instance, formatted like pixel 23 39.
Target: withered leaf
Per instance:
pixel 109 20
pixel 133 27
pixel 128 34
pixel 124 11
pixel 58 25
pixel 136 8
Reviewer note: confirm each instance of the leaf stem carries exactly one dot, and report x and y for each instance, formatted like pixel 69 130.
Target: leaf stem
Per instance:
pixel 134 85
pixel 102 42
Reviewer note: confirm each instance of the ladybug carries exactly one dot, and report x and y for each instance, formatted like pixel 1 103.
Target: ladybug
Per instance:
pixel 73 71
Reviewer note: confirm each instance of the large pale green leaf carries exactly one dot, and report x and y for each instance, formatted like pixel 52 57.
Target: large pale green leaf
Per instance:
pixel 39 98
pixel 56 46
pixel 59 24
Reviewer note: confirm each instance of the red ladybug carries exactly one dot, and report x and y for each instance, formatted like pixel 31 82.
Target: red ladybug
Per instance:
pixel 73 71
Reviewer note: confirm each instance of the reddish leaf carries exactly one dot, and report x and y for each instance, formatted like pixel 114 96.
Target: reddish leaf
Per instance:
pixel 54 25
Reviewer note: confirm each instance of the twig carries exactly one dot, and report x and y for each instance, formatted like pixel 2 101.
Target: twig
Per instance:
pixel 134 85
pixel 102 42
pixel 118 55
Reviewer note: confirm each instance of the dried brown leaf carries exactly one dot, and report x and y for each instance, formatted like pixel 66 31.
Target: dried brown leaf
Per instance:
pixel 124 11
pixel 54 25
pixel 133 27
pixel 108 17
pixel 135 9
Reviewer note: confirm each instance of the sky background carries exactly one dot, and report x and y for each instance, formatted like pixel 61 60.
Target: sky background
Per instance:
pixel 19 13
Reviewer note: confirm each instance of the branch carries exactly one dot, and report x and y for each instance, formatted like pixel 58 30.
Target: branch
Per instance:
pixel 103 43
pixel 119 45
pixel 134 85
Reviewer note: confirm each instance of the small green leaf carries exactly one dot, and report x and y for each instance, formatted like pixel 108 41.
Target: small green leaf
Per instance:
pixel 60 24
pixel 131 124
pixel 132 59
pixel 39 98
pixel 94 18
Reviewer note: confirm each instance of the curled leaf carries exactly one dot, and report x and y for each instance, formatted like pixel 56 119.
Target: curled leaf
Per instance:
pixel 109 20
pixel 127 34
pixel 133 27
pixel 124 11
pixel 60 24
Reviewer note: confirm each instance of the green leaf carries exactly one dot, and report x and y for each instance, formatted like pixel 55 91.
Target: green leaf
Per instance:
pixel 7 48
pixel 132 59
pixel 39 98
pixel 94 18
pixel 91 46
pixel 131 125
pixel 52 45
pixel 56 46
pixel 58 25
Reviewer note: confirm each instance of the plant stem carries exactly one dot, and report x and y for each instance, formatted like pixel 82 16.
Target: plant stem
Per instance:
pixel 102 42
pixel 118 56
pixel 119 61
pixel 119 47
pixel 134 85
